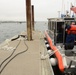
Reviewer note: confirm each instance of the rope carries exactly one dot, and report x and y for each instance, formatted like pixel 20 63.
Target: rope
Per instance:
pixel 13 56
pixel 10 55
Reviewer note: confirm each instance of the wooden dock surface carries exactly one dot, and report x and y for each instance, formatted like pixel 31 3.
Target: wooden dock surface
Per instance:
pixel 29 62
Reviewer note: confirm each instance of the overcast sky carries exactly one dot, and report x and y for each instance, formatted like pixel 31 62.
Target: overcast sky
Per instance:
pixel 43 9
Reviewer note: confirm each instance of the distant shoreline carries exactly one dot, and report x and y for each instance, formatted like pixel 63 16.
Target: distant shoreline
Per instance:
pixel 12 21
pixel 18 21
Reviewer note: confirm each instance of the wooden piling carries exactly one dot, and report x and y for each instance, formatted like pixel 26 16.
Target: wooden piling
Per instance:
pixel 28 19
pixel 33 17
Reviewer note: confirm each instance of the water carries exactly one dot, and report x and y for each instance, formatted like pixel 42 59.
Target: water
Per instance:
pixel 8 30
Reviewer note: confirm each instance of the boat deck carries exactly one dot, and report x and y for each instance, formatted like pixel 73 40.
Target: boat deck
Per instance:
pixel 27 63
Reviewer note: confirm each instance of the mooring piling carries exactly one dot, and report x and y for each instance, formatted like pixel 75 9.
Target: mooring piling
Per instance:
pixel 33 17
pixel 28 20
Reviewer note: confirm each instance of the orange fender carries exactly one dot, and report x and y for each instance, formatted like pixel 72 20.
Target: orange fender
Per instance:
pixel 57 53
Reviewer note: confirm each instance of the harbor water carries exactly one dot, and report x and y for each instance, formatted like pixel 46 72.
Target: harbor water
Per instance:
pixel 8 30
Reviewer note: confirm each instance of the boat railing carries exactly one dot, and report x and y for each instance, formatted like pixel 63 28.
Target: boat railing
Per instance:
pixel 70 55
pixel 51 33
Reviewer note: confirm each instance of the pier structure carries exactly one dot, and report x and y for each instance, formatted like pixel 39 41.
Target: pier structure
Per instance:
pixel 27 57
pixel 21 56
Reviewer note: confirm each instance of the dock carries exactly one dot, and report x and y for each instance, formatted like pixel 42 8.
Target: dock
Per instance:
pixel 26 59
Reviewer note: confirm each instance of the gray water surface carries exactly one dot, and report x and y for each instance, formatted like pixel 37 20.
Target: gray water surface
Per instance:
pixel 8 30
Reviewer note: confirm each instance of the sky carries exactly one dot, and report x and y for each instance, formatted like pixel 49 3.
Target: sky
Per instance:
pixel 15 10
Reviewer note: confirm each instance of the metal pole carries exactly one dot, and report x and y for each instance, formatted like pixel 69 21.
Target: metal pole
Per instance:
pixel 58 14
pixel 28 19
pixel 32 17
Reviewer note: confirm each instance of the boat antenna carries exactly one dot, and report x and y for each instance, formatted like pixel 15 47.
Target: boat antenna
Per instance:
pixel 58 14
pixel 74 2
pixel 62 6
pixel 70 7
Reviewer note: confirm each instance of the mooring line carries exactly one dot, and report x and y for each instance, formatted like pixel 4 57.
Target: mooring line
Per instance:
pixel 13 56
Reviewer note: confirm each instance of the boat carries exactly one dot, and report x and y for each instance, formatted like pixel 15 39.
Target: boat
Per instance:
pixel 62 57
